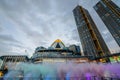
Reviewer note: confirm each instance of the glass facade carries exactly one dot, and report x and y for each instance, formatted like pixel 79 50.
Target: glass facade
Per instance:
pixel 85 37
pixel 55 52
pixel 91 39
pixel 110 15
pixel 1 63
pixel 51 54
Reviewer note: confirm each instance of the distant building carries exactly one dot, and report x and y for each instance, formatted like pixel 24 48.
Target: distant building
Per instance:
pixel 12 59
pixel 109 12
pixel 39 48
pixel 75 49
pixel 91 39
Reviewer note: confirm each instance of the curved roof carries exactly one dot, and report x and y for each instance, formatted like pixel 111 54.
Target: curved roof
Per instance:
pixel 58 44
pixel 58 40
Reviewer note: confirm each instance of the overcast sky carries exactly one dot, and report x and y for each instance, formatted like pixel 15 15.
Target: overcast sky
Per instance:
pixel 27 24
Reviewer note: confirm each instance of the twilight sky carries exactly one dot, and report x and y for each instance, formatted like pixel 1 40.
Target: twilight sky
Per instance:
pixel 27 24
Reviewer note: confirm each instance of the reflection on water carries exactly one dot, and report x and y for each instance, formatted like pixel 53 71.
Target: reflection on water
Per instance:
pixel 62 71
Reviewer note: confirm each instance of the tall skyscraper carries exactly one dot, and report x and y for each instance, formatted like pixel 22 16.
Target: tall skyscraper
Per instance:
pixel 109 12
pixel 91 39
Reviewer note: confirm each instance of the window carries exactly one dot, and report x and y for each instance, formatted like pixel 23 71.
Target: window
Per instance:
pixel 103 3
pixel 96 8
pixel 1 62
pixel 107 14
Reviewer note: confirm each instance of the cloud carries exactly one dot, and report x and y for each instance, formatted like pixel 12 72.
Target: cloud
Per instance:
pixel 39 23
pixel 27 24
pixel 1 28
pixel 7 38
pixel 7 42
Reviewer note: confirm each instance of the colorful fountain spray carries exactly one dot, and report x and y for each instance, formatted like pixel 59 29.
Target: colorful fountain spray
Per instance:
pixel 62 71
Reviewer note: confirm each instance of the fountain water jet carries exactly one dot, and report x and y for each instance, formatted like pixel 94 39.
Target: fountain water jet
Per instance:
pixel 64 71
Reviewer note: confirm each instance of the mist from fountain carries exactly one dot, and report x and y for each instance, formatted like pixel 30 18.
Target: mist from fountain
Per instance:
pixel 67 71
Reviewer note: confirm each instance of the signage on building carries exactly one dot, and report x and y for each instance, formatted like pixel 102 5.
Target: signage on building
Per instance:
pixel 103 60
pixel 114 59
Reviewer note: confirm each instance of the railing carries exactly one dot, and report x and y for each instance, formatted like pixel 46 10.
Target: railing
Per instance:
pixel 59 78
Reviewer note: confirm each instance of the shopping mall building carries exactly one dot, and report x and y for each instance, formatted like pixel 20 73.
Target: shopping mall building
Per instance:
pixel 58 52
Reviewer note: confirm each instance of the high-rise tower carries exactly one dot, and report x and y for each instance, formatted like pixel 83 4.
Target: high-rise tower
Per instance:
pixel 91 39
pixel 109 12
